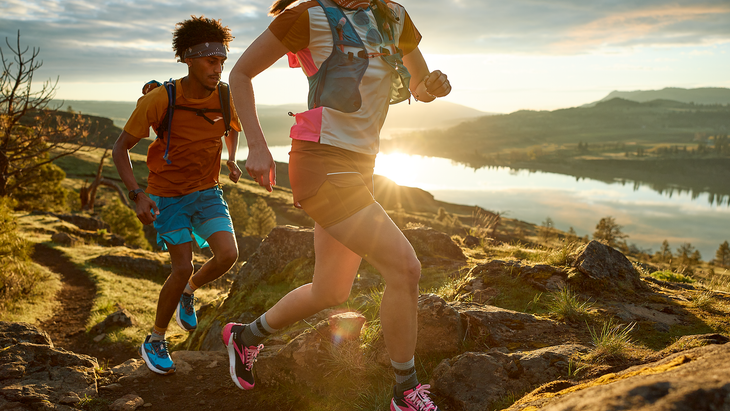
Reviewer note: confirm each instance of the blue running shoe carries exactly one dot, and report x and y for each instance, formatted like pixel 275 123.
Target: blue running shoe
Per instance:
pixel 156 356
pixel 185 312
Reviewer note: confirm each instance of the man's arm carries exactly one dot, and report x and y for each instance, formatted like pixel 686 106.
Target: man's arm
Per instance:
pixel 120 154
pixel 232 147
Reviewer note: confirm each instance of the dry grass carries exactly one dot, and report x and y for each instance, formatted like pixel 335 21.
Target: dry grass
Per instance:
pixel 611 342
pixel 566 305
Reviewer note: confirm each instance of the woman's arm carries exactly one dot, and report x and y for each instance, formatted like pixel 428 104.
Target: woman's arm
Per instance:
pixel 425 86
pixel 259 56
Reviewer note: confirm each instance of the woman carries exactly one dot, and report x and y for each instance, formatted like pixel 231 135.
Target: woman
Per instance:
pixel 359 56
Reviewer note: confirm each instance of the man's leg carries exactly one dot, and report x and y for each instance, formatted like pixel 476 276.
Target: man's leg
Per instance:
pixel 225 253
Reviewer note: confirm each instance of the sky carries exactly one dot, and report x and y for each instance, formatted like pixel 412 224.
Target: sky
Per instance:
pixel 501 56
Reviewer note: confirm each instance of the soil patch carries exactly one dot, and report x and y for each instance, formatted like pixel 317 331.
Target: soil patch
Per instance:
pixel 67 327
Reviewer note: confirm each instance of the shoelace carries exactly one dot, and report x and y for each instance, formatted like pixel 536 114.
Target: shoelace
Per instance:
pixel 160 348
pixel 251 355
pixel 187 303
pixel 419 397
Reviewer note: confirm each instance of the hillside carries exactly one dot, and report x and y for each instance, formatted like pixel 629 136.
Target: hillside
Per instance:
pixel 276 122
pixel 706 95
pixel 477 142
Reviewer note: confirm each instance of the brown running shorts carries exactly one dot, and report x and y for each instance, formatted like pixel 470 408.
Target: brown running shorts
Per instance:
pixel 330 183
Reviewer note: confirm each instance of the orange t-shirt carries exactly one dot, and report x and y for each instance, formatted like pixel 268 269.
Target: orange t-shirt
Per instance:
pixel 195 147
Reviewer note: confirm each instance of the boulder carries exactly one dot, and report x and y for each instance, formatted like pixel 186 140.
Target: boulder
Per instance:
pixel 439 326
pixel 431 244
pixel 119 318
pixel 543 277
pixel 33 374
pixel 695 380
pixel 14 333
pixel 497 327
pixel 603 270
pixel 475 381
pixel 66 239
pixel 314 353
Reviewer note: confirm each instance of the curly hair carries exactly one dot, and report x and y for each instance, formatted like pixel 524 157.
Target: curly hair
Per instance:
pixel 197 30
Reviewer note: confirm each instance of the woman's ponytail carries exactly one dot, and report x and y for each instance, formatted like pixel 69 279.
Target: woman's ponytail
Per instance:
pixel 279 6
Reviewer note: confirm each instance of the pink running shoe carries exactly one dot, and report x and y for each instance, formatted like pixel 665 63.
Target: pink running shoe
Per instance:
pixel 241 358
pixel 414 400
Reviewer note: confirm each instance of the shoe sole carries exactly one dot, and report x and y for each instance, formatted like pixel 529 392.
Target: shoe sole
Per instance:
pixel 149 365
pixel 179 321
pixel 232 355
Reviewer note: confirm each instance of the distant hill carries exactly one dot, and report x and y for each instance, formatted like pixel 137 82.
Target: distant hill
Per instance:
pixel 707 95
pixel 276 123
pixel 616 120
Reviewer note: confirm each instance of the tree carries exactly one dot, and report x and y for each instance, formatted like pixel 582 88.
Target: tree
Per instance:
pixel 123 221
pixel 687 254
pixel 546 229
pixel 608 231
pixel 238 209
pixel 32 135
pixel 722 256
pixel 263 219
pixel 665 252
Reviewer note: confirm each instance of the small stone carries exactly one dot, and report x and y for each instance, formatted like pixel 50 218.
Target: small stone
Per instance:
pixel 99 337
pixel 212 365
pixel 111 387
pixel 129 402
pixel 147 404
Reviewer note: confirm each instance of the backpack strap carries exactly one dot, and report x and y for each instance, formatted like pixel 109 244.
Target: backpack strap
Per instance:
pixel 171 94
pixel 224 93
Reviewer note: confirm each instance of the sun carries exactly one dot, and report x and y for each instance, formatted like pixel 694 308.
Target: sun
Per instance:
pixel 398 167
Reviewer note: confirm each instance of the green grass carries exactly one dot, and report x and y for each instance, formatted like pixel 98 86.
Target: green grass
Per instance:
pixel 671 277
pixel 612 341
pixel 566 305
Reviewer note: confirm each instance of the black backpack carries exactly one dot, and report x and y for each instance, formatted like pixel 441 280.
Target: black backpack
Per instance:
pixel 224 93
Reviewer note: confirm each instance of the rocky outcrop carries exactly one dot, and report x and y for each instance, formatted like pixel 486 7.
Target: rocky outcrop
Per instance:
pixel 603 269
pixel 491 326
pixel 15 333
pixel 697 380
pixel 431 245
pixel 543 277
pixel 476 381
pixel 121 318
pixel 34 375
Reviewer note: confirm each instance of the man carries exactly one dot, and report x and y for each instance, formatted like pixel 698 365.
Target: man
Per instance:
pixel 183 198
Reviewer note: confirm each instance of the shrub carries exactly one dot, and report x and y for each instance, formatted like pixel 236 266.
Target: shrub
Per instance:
pixel 263 219
pixel 238 209
pixel 44 192
pixel 17 277
pixel 124 222
pixel 672 277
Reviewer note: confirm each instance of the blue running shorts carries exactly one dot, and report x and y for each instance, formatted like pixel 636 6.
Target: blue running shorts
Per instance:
pixel 197 214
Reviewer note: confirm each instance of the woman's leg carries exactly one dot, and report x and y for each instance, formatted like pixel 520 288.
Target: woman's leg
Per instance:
pixel 371 234
pixel 335 267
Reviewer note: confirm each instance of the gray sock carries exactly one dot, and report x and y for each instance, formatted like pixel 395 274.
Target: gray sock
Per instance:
pixel 155 336
pixel 256 332
pixel 405 375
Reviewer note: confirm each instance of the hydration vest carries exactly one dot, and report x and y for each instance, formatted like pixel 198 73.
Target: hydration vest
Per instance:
pixel 336 83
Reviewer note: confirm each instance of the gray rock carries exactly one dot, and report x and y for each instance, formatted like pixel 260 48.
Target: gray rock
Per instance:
pixel 429 243
pixel 498 327
pixel 129 402
pixel 33 374
pixel 14 333
pixel 439 326
pixel 697 380
pixel 604 270
pixel 66 239
pixel 543 277
pixel 119 318
pixel 477 381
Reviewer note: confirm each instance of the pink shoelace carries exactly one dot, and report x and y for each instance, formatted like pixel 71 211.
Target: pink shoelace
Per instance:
pixel 419 397
pixel 251 354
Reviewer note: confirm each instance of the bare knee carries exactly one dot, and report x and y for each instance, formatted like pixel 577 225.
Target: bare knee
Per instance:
pixel 406 275
pixel 227 258
pixel 182 271
pixel 330 297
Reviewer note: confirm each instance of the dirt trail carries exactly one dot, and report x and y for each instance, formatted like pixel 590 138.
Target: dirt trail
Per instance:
pixel 76 298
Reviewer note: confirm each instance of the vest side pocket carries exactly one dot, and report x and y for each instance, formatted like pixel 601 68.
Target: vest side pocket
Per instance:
pixel 308 125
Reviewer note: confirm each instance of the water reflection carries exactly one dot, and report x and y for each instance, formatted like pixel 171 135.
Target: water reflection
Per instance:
pixel 649 213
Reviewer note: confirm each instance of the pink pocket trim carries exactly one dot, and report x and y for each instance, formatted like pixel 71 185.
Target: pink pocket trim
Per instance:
pixel 306 62
pixel 308 126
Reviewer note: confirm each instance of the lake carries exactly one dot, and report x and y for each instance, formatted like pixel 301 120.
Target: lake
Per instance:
pixel 647 216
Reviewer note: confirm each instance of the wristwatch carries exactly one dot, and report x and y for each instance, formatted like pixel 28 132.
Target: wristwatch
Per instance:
pixel 134 193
